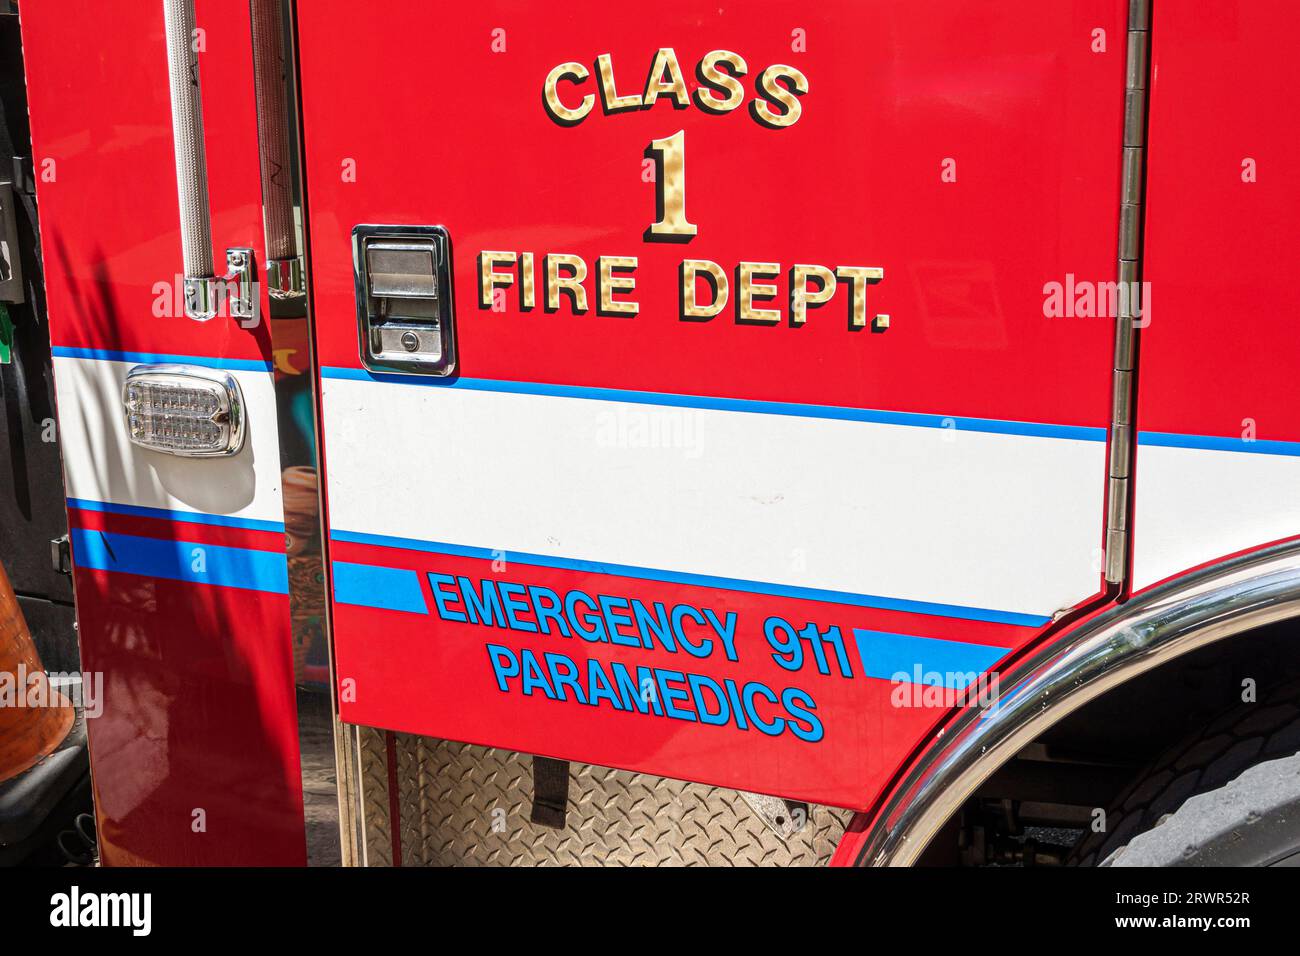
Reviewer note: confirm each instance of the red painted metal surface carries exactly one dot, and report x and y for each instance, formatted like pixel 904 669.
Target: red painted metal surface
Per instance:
pixel 1222 253
pixel 1012 92
pixel 199 712
pixel 443 128
pixel 1218 357
pixel 426 672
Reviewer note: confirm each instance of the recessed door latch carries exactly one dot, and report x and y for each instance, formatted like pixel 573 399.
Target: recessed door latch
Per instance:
pixel 404 304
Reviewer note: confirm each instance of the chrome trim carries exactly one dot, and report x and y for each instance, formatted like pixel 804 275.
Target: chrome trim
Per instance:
pixel 352 798
pixel 326 760
pixel 1079 666
pixel 205 295
pixel 1127 321
pixel 442 363
pixel 1121 443
pixel 284 279
pixel 230 413
pixel 1139 15
pixel 241 283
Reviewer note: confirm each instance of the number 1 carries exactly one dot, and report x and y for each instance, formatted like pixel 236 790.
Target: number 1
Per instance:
pixel 669 155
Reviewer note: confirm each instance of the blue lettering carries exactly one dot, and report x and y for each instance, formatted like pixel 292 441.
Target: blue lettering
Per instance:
pixel 657 625
pixel 500 668
pixel 486 610
pixel 672 695
pixel 595 630
pixel 568 679
pixel 727 631
pixel 698 684
pixel 533 676
pixel 613 620
pixel 511 599
pixel 551 613
pixel 639 693
pixel 599 687
pixel 705 647
pixel 735 704
pixel 792 699
pixel 441 597
pixel 752 690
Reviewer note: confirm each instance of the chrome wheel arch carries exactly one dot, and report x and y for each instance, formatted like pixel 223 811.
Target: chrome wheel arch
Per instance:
pixel 1074 668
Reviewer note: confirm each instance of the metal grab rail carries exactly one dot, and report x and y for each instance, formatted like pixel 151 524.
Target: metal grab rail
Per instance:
pixel 204 292
pixel 283 267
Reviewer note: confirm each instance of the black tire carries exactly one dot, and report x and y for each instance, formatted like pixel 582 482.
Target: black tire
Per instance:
pixel 1229 795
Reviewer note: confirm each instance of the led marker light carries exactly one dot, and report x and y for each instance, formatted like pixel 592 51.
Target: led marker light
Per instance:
pixel 184 410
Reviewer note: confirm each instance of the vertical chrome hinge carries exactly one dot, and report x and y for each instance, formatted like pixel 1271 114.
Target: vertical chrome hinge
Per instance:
pixel 1131 307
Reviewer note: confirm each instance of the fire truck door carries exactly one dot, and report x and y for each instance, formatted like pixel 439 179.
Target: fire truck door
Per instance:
pixel 707 391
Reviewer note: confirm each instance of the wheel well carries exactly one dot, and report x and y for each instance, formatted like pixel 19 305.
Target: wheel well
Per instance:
pixel 1037 804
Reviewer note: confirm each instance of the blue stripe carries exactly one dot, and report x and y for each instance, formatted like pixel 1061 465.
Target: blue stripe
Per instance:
pixel 702 580
pixel 796 409
pixel 155 358
pixel 181 560
pixel 369 585
pixel 164 514
pixel 1217 443
pixel 889 656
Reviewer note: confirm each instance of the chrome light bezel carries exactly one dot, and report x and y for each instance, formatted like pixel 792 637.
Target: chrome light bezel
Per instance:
pixel 230 405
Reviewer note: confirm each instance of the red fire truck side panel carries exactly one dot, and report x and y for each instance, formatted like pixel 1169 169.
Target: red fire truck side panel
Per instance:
pixel 179 578
pixel 1218 405
pixel 970 153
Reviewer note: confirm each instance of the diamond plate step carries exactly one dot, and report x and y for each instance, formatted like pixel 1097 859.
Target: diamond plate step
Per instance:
pixel 463 805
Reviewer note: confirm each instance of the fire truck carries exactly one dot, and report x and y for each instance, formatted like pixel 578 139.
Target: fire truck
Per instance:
pixel 584 432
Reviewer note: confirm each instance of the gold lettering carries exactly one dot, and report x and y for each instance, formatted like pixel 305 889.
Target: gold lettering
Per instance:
pixel 489 278
pixel 551 96
pixel 609 97
pixel 713 274
pixel 607 283
pixel 572 284
pixel 859 278
pixel 527 284
pixel 748 289
pixel 776 93
pixel 712 78
pixel 675 86
pixel 801 297
pixel 669 155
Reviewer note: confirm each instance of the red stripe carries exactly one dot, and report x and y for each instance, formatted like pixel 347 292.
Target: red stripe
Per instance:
pixel 176 530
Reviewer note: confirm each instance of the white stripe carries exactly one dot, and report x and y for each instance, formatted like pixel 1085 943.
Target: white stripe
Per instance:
pixel 1007 522
pixel 1194 505
pixel 101 464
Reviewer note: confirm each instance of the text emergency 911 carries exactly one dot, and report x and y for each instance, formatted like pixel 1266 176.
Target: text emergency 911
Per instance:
pixel 629 622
